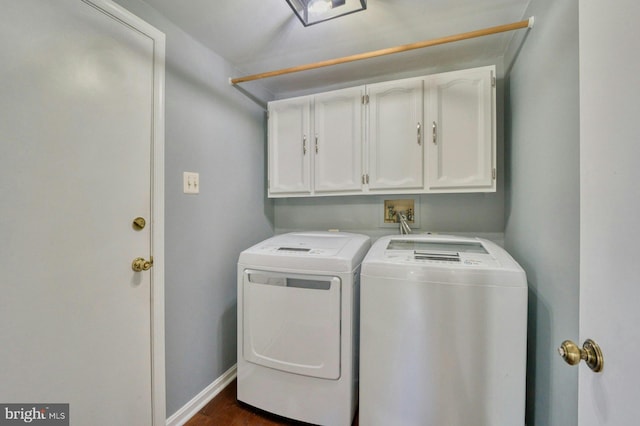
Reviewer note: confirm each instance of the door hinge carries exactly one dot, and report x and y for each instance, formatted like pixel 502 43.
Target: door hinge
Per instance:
pixel 493 173
pixel 365 99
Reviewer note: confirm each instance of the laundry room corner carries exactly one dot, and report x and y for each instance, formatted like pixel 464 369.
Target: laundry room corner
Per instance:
pixel 329 212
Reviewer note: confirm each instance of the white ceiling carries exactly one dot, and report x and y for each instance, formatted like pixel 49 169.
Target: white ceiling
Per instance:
pixel 264 35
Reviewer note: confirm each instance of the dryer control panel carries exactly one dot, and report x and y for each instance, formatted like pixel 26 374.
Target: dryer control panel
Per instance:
pixel 301 251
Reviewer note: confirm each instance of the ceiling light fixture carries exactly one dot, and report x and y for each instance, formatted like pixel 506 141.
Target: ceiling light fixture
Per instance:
pixel 314 11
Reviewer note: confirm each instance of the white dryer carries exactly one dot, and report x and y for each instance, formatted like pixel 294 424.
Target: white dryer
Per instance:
pixel 298 296
pixel 443 333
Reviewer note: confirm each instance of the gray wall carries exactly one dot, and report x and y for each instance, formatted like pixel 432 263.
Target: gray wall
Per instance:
pixel 213 129
pixel 455 213
pixel 542 202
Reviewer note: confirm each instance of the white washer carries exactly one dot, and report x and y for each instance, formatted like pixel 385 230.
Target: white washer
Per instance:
pixel 443 333
pixel 297 325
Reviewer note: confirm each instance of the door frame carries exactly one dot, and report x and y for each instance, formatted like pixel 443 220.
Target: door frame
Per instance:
pixel 158 382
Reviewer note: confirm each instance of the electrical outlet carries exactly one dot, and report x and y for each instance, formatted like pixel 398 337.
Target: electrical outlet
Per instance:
pixel 191 182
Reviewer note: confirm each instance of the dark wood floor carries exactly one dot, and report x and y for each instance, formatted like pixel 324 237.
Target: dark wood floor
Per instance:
pixel 224 410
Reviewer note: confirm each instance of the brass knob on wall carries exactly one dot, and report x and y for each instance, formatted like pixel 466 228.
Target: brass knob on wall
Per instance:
pixel 590 353
pixel 140 264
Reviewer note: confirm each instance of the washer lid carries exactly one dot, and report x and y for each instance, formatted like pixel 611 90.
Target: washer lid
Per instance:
pixel 438 250
pixel 442 258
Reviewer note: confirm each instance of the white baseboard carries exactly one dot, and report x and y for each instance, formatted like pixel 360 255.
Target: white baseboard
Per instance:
pixel 190 409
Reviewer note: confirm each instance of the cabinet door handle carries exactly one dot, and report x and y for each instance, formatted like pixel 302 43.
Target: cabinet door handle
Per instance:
pixel 304 144
pixel 316 144
pixel 435 133
pixel 419 135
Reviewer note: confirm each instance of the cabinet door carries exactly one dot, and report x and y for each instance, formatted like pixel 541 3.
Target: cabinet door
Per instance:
pixel 461 150
pixel 395 142
pixel 338 140
pixel 289 146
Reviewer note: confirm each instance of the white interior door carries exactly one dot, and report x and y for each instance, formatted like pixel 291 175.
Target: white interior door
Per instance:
pixel 79 114
pixel 610 210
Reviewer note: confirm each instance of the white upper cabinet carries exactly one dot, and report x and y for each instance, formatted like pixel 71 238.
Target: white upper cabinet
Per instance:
pixel 461 120
pixel 290 146
pixel 431 134
pixel 337 144
pixel 395 157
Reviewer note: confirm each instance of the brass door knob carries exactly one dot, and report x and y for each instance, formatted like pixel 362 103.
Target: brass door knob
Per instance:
pixel 140 264
pixel 590 353
pixel 139 223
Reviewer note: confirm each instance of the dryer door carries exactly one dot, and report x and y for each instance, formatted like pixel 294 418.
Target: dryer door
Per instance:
pixel 291 322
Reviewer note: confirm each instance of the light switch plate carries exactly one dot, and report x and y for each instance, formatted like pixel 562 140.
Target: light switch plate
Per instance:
pixel 191 182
